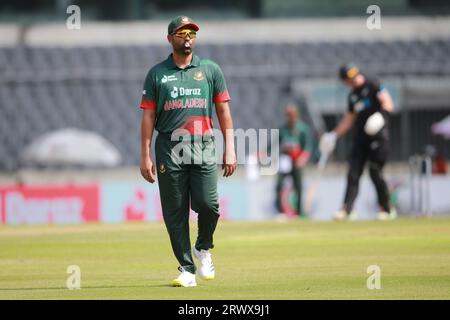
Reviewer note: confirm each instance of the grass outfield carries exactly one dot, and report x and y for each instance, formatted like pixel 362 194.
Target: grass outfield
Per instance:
pixel 264 260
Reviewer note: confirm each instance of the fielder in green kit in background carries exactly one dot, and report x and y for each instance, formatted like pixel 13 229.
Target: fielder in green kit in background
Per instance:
pixel 295 151
pixel 178 99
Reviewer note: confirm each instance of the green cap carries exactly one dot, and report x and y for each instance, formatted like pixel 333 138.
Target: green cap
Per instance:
pixel 179 22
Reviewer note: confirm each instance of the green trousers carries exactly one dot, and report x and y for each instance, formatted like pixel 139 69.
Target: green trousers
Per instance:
pixel 187 178
pixel 296 175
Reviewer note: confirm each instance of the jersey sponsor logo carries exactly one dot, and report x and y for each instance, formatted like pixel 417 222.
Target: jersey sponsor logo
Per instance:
pixel 176 92
pixel 362 104
pixel 199 76
pixel 168 79
pixel 359 106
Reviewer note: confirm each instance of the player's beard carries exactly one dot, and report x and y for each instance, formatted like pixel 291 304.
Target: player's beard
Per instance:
pixel 186 48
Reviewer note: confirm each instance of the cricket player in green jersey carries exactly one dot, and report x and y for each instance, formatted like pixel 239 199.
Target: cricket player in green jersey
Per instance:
pixel 178 98
pixel 295 151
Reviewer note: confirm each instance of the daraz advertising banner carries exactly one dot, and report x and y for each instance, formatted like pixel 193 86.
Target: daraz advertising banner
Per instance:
pixel 239 199
pixel 121 202
pixel 107 202
pixel 44 204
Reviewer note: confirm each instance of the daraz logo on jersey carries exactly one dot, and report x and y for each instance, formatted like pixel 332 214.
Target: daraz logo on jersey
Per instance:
pixel 176 92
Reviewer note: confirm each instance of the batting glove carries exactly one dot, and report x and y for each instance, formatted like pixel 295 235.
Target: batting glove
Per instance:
pixel 327 142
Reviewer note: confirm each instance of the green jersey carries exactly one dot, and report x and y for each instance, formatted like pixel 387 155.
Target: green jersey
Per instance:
pixel 294 141
pixel 184 98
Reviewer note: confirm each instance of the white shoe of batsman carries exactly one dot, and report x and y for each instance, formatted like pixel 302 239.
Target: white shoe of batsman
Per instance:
pixel 384 216
pixel 185 279
pixel 206 267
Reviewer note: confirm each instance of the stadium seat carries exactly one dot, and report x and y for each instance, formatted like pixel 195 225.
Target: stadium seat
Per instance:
pixel 99 88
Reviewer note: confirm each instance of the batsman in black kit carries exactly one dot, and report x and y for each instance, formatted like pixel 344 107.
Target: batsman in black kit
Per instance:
pixel 369 105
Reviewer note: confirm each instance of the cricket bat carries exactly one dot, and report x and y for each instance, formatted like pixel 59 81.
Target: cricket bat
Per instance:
pixel 311 192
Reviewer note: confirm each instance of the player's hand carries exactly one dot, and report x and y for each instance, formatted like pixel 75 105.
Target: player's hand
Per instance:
pixel 229 163
pixel 148 170
pixel 327 142
pixel 301 162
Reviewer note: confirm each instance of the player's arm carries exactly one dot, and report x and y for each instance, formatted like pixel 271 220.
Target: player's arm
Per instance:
pixel 147 127
pixel 386 101
pixel 226 126
pixel 327 142
pixel 345 124
pixel 307 146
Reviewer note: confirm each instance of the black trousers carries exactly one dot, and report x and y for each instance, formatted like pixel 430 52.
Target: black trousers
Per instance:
pixel 374 152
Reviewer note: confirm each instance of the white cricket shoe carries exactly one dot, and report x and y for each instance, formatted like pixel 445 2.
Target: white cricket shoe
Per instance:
pixel 342 215
pixel 352 216
pixel 185 279
pixel 206 267
pixel 384 216
pixel 393 213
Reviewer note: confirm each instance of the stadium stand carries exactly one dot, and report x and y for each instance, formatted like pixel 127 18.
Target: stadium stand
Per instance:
pixel 98 88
